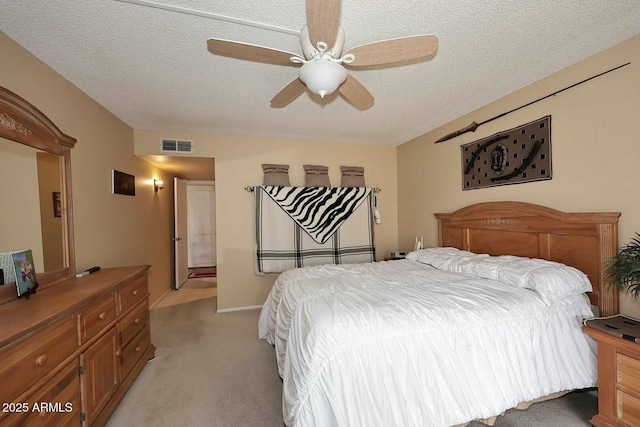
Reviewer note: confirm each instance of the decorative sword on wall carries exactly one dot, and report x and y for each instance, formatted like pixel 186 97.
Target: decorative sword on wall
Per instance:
pixel 473 126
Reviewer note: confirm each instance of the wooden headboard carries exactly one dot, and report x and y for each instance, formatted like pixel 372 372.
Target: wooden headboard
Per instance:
pixel 582 240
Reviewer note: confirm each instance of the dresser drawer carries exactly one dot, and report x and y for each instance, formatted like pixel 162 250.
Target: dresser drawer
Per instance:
pixel 134 322
pixel 132 352
pixel 129 294
pixel 57 403
pixel 628 408
pixel 27 362
pixel 628 374
pixel 93 318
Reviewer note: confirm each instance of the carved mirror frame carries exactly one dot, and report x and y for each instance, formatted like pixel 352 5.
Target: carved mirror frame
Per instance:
pixel 21 122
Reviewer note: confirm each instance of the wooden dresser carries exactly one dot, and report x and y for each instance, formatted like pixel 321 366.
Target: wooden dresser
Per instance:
pixel 618 380
pixel 70 353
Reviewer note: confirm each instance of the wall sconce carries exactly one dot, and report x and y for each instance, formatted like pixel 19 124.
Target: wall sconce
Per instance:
pixel 157 185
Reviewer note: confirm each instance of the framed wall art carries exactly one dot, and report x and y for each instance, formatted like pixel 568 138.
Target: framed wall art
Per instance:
pixel 515 156
pixel 57 204
pixel 123 183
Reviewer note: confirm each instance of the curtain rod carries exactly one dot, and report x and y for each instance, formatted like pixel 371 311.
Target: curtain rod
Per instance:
pixel 249 189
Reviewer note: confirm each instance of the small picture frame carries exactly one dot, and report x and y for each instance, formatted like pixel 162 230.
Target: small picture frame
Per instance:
pixel 57 204
pixel 123 183
pixel 26 283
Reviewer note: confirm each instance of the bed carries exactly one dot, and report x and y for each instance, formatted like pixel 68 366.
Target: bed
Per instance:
pixel 449 335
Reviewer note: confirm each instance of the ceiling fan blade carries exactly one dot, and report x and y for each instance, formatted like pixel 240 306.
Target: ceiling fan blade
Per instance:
pixel 250 52
pixel 356 93
pixel 288 94
pixel 394 52
pixel 323 18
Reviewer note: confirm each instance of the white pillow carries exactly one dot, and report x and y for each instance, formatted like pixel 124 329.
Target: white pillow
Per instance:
pixel 486 266
pixel 448 259
pixel 551 280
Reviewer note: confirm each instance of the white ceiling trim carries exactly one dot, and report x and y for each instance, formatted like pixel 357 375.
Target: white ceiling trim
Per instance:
pixel 216 16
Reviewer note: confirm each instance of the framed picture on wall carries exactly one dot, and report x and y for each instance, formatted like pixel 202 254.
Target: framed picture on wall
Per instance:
pixel 123 183
pixel 57 204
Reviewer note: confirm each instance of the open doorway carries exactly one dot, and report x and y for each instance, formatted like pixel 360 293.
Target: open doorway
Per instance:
pixel 194 241
pixel 194 257
pixel 194 230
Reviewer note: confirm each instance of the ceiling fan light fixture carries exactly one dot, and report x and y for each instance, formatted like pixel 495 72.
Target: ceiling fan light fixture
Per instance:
pixel 322 76
pixel 322 59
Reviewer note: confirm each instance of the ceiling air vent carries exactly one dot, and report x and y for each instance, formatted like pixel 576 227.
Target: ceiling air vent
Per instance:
pixel 178 146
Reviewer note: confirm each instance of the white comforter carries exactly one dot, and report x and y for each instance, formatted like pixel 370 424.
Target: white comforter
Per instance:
pixel 403 344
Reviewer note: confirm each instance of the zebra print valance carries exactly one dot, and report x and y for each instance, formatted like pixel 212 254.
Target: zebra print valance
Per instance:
pixel 301 226
pixel 320 211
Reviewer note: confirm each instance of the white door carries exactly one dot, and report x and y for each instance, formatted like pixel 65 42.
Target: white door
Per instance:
pixel 180 237
pixel 201 209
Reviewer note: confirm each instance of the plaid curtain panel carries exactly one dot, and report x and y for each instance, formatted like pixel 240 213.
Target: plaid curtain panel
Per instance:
pixel 304 226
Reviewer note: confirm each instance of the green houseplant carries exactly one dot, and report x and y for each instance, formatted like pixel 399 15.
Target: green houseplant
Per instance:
pixel 624 268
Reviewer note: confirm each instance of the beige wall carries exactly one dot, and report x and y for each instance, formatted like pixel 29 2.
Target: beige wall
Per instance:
pixel 595 135
pixel 238 164
pixel 110 230
pixel 595 151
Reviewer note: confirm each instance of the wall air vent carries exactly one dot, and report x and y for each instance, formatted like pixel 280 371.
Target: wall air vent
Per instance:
pixel 177 145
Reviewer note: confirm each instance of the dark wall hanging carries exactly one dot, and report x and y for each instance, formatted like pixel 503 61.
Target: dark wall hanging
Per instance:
pixel 57 204
pixel 514 156
pixel 123 183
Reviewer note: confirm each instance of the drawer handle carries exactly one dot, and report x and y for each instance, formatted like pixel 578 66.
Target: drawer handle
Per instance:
pixel 42 360
pixel 138 348
pixel 135 292
pixel 118 353
pixel 102 316
pixel 137 321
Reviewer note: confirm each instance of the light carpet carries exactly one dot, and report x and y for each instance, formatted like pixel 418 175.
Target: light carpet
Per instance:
pixel 211 370
pixel 192 290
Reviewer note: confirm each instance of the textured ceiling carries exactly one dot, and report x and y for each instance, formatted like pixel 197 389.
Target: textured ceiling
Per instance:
pixel 151 67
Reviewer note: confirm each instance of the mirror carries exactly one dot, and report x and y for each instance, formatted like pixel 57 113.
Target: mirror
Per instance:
pixel 36 191
pixel 31 184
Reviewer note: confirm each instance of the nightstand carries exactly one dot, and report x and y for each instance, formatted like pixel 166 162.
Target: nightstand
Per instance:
pixel 618 380
pixel 394 255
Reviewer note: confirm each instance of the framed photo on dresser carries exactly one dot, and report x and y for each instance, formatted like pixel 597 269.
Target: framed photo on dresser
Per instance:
pixel 25 273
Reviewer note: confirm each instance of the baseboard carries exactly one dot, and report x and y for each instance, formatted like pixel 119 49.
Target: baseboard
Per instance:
pixel 160 299
pixel 227 310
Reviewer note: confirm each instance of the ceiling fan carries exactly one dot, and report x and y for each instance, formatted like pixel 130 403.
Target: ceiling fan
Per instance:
pixel 322 65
